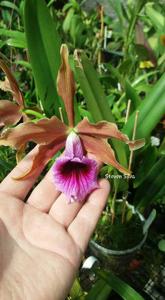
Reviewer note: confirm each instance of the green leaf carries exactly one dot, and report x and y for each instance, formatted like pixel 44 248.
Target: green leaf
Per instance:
pixel 68 19
pixel 85 113
pixel 92 89
pixel 149 190
pixel 15 43
pixel 23 63
pixel 138 5
pixel 95 98
pixel 5 165
pixel 17 37
pixel 161 245
pixel 148 158
pixel 50 2
pixel 144 77
pixel 161 194
pixel 119 286
pixel 114 72
pixel 138 82
pixel 76 291
pixel 43 44
pixel 162 147
pixel 117 6
pixel 132 95
pixel 149 221
pixel 76 31
pixel 156 18
pixel 100 291
pixel 9 4
pixel 151 110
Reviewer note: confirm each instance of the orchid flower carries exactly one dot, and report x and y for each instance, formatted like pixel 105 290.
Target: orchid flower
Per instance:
pixel 52 135
pixel 10 112
pixel 74 174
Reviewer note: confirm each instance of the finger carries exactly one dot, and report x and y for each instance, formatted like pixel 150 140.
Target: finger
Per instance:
pixel 63 212
pixel 84 224
pixel 20 188
pixel 44 194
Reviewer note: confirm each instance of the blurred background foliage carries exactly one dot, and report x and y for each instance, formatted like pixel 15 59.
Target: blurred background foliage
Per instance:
pixel 119 70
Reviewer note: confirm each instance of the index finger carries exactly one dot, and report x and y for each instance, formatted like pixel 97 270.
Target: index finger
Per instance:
pixel 20 188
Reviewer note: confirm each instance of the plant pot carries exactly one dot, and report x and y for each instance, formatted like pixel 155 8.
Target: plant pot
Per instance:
pixel 118 260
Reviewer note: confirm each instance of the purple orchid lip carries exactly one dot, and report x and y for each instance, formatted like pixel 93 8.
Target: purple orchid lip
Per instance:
pixel 74 174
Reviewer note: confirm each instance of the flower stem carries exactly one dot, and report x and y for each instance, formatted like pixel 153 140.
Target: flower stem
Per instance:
pixel 101 35
pixel 130 164
pixel 128 110
pixel 133 138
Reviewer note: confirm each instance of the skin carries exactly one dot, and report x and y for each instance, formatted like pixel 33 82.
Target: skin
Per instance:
pixel 42 241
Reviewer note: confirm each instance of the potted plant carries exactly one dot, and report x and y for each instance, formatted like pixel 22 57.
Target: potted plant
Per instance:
pixel 115 243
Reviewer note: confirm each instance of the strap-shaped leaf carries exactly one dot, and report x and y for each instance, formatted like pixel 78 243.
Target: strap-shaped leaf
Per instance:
pixel 95 97
pixel 43 44
pixel 119 286
pixel 92 89
pixel 99 291
pixel 16 36
pixel 151 187
pixel 151 110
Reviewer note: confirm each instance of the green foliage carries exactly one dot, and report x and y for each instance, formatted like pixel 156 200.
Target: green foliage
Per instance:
pixel 132 95
pixel 92 89
pixel 119 286
pixel 76 291
pixel 100 291
pixel 14 38
pixel 156 17
pixel 148 158
pixel 11 5
pixel 153 185
pixel 43 43
pixel 151 110
pixel 113 234
pixel 7 161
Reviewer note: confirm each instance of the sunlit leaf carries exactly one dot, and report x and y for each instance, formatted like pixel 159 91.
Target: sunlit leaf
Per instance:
pixel 151 110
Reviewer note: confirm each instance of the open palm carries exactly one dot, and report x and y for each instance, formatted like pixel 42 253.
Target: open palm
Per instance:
pixel 42 241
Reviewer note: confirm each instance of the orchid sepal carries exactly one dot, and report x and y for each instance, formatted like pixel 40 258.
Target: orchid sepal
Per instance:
pixel 66 84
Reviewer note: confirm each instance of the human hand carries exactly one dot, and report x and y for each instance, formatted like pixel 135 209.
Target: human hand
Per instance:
pixel 43 240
